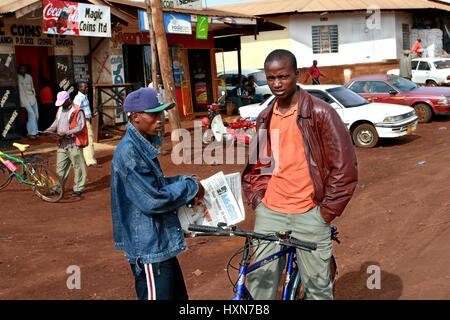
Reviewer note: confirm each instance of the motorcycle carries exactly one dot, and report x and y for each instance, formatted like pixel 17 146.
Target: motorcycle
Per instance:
pixel 214 128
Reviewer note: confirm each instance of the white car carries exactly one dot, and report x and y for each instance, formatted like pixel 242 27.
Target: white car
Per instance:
pixel 429 71
pixel 366 121
pixel 231 79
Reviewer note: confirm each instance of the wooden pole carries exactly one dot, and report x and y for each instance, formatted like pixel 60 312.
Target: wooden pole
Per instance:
pixel 154 61
pixel 166 68
pixel 152 44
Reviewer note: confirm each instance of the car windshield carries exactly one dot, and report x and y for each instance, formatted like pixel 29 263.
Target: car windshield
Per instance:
pixel 442 64
pixel 347 97
pixel 260 78
pixel 402 84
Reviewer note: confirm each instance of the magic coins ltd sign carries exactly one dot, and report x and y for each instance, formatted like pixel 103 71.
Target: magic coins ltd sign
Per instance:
pixel 73 18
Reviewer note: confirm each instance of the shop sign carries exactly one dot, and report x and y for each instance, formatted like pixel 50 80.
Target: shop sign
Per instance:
pixel 177 23
pixel 185 4
pixel 202 27
pixel 13 33
pixel 73 18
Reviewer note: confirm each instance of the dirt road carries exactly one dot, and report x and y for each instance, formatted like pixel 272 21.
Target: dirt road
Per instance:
pixel 397 222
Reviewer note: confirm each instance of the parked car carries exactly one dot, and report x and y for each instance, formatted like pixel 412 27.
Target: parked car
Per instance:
pixel 429 71
pixel 231 79
pixel 426 101
pixel 365 120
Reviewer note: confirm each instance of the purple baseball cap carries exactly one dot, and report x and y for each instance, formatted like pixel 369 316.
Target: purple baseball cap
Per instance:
pixel 61 97
pixel 144 100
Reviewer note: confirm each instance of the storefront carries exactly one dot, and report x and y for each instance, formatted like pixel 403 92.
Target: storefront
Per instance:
pixel 193 66
pixel 193 57
pixel 57 60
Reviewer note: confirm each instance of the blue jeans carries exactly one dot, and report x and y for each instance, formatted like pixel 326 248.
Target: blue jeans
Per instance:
pixel 32 122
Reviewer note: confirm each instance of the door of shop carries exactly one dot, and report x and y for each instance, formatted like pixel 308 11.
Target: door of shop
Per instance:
pixel 133 58
pixel 36 60
pixel 200 78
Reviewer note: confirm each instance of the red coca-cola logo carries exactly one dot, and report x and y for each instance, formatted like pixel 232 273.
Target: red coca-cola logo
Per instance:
pixel 53 9
pixel 63 15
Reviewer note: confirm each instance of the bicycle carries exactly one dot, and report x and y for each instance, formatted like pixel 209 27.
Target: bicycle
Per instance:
pixel 292 288
pixel 46 184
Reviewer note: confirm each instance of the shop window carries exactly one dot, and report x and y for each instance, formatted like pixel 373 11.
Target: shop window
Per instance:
pixel 406 36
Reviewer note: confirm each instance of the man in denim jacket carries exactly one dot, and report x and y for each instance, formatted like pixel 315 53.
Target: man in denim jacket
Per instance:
pixel 144 203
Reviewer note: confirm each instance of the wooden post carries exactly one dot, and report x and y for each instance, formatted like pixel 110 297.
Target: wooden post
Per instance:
pixel 166 68
pixel 154 58
pixel 152 44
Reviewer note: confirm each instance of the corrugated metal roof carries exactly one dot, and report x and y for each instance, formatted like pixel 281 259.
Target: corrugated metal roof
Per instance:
pixel 271 7
pixel 7 6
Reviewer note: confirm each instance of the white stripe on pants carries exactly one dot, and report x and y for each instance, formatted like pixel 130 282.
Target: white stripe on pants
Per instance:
pixel 150 281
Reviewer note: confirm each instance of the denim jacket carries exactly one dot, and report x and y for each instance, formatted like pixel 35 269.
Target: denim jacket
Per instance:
pixel 144 203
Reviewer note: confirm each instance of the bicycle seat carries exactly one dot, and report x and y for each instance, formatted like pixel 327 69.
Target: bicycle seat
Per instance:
pixel 21 147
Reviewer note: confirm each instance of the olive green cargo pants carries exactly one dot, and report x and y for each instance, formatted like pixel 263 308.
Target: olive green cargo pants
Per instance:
pixel 314 266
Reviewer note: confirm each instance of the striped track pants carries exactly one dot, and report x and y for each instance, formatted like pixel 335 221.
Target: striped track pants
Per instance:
pixel 159 281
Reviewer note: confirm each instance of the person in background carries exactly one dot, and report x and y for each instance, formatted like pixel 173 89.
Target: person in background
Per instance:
pixel 314 73
pixel 417 48
pixel 48 110
pixel 256 97
pixel 27 96
pixel 81 100
pixel 243 93
pixel 70 126
pixel 405 66
pixel 144 202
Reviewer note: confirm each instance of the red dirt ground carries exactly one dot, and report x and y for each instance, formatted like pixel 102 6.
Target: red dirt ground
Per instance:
pixel 398 220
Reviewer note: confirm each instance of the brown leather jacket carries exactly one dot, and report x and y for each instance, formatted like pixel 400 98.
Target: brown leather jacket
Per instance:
pixel 329 151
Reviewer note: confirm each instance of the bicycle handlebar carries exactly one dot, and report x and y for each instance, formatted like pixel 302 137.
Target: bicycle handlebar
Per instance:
pixel 218 231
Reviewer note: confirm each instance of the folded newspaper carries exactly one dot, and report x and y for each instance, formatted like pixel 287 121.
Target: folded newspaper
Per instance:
pixel 222 203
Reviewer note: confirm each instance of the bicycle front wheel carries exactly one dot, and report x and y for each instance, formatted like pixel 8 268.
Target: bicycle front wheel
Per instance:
pixel 47 185
pixel 5 176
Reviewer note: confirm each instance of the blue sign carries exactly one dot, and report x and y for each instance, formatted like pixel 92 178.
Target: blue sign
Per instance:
pixel 143 20
pixel 177 23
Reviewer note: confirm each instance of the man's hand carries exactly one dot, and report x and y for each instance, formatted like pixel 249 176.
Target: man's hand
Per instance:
pixel 61 134
pixel 201 191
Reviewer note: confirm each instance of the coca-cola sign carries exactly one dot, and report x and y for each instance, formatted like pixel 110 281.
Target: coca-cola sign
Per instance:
pixel 73 18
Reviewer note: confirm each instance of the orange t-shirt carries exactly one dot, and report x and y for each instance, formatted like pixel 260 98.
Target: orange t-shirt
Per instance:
pixel 290 188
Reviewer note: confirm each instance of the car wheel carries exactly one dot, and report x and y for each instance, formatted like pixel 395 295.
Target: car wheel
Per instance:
pixel 431 83
pixel 365 136
pixel 423 112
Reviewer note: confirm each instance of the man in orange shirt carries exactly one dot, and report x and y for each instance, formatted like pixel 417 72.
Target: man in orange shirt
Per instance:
pixel 300 179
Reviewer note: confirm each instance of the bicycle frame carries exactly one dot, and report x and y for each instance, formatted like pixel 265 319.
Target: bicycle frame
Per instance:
pixel 244 269
pixel 25 169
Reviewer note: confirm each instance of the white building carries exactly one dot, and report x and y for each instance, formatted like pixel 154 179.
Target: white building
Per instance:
pixel 338 32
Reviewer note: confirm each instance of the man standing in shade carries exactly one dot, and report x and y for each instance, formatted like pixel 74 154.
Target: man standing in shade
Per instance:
pixel 27 96
pixel 81 100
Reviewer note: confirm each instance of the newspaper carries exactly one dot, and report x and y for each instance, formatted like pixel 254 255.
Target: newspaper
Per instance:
pixel 222 203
